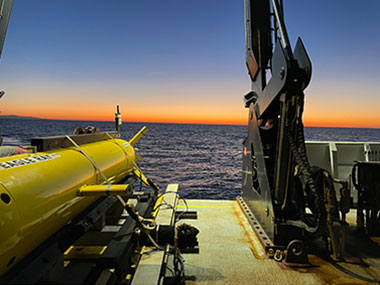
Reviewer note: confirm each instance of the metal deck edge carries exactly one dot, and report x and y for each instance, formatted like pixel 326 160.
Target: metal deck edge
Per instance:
pixel 255 224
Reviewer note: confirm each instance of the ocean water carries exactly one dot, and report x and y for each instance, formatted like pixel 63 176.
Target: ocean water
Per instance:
pixel 204 159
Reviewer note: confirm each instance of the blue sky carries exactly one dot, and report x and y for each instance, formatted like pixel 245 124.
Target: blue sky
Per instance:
pixel 180 61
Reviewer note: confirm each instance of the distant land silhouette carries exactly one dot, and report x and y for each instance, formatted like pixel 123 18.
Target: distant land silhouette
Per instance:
pixel 19 117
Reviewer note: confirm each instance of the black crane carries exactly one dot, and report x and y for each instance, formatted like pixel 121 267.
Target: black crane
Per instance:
pixel 278 182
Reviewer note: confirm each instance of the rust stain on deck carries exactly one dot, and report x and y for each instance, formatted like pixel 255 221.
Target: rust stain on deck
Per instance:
pixel 252 239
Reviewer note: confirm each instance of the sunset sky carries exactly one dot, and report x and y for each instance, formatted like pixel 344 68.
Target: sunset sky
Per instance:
pixel 181 61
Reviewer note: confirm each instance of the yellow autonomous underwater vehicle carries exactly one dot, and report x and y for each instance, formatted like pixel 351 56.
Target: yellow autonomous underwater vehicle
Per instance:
pixel 41 192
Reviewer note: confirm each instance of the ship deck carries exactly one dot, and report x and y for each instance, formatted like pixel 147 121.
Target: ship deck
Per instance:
pixel 231 253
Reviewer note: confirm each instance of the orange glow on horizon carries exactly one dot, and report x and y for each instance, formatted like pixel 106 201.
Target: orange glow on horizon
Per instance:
pixel 342 119
pixel 187 109
pixel 171 118
pixel 342 124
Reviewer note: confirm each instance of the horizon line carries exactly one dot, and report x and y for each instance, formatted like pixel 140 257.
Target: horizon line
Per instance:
pixel 181 123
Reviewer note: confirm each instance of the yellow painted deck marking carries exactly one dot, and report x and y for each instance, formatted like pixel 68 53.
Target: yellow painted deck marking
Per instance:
pixel 202 206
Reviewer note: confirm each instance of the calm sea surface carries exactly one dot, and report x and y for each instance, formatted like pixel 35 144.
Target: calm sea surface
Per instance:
pixel 204 159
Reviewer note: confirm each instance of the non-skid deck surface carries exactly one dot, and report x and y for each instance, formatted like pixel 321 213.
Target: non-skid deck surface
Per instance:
pixel 230 253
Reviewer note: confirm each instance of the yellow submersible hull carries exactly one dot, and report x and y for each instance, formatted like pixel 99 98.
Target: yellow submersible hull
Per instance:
pixel 39 191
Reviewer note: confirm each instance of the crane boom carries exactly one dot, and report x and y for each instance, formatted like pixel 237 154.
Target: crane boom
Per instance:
pixel 274 150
